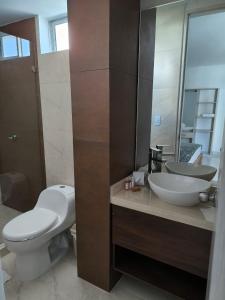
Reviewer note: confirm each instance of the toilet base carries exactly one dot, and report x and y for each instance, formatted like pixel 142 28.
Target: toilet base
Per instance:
pixel 32 265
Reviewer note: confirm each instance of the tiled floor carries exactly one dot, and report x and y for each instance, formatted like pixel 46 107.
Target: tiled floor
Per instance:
pixel 61 283
pixel 6 214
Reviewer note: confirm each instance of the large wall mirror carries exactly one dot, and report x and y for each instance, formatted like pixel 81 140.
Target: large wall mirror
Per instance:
pixel 187 95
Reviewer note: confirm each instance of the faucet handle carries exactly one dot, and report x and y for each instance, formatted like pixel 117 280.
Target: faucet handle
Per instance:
pixel 161 147
pixel 156 154
pixel 156 150
pixel 160 151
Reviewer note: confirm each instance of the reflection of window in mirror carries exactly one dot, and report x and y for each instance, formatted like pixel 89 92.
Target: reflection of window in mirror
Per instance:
pixel 12 47
pixel 60 35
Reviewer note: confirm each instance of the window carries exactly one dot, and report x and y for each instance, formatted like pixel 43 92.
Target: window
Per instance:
pixel 9 46
pixel 60 34
pixel 24 47
pixel 12 46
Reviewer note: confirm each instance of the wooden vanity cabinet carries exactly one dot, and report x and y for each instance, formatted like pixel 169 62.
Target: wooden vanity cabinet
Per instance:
pixel 171 255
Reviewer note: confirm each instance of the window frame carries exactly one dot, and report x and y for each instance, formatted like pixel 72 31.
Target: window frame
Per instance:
pixel 53 23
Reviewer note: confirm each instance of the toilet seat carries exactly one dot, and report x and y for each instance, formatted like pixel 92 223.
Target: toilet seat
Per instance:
pixel 30 225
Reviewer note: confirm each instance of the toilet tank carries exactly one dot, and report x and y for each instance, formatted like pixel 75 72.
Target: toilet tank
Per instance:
pixel 60 199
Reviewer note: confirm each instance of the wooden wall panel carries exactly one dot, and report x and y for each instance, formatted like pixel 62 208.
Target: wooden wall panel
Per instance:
pixel 89 65
pixel 89 35
pixel 124 38
pixel 103 62
pixel 187 247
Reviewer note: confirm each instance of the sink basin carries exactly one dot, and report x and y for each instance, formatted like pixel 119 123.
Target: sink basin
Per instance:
pixel 176 189
pixel 186 169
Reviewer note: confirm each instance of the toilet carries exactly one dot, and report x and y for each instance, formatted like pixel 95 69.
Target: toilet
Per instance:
pixel 39 237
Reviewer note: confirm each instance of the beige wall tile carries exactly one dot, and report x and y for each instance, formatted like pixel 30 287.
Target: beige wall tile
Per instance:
pixel 54 67
pixel 168 51
pixel 169 29
pixel 57 117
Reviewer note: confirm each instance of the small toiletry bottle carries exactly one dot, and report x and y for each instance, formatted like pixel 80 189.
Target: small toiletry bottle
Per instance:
pixel 132 182
pixel 127 184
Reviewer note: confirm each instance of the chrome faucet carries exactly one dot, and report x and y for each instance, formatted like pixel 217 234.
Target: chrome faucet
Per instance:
pixel 155 159
pixel 209 196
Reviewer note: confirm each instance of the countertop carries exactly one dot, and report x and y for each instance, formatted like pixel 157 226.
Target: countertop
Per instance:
pixel 202 216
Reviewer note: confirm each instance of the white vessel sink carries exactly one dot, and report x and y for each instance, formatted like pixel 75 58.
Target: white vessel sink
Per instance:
pixel 176 189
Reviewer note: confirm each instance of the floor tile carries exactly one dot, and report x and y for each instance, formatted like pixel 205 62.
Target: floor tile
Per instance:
pixel 62 283
pixel 6 215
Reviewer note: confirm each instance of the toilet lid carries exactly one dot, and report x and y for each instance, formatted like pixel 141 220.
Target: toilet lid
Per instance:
pixel 29 225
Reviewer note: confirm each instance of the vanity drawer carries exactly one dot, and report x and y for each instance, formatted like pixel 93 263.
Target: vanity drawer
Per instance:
pixel 176 244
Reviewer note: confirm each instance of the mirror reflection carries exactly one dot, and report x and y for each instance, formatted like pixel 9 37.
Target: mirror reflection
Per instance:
pixel 188 94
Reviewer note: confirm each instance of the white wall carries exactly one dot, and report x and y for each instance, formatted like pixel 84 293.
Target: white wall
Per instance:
pixel 55 88
pixel 211 76
pixel 204 28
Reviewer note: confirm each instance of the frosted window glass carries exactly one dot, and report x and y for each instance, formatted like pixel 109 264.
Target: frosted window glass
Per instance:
pixel 25 45
pixel 9 46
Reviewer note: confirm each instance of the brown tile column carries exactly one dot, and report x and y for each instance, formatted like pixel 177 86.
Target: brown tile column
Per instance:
pixel 124 29
pixel 97 49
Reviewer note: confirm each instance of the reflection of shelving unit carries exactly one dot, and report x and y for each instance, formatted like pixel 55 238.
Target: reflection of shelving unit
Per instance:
pixel 199 113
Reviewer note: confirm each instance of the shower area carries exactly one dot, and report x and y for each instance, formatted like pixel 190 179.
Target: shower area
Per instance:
pixel 22 170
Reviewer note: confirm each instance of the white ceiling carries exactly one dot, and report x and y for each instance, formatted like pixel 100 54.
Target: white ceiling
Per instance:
pixel 206 40
pixel 13 10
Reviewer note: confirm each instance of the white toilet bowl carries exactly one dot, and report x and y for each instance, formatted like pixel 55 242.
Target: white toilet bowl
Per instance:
pixel 39 237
